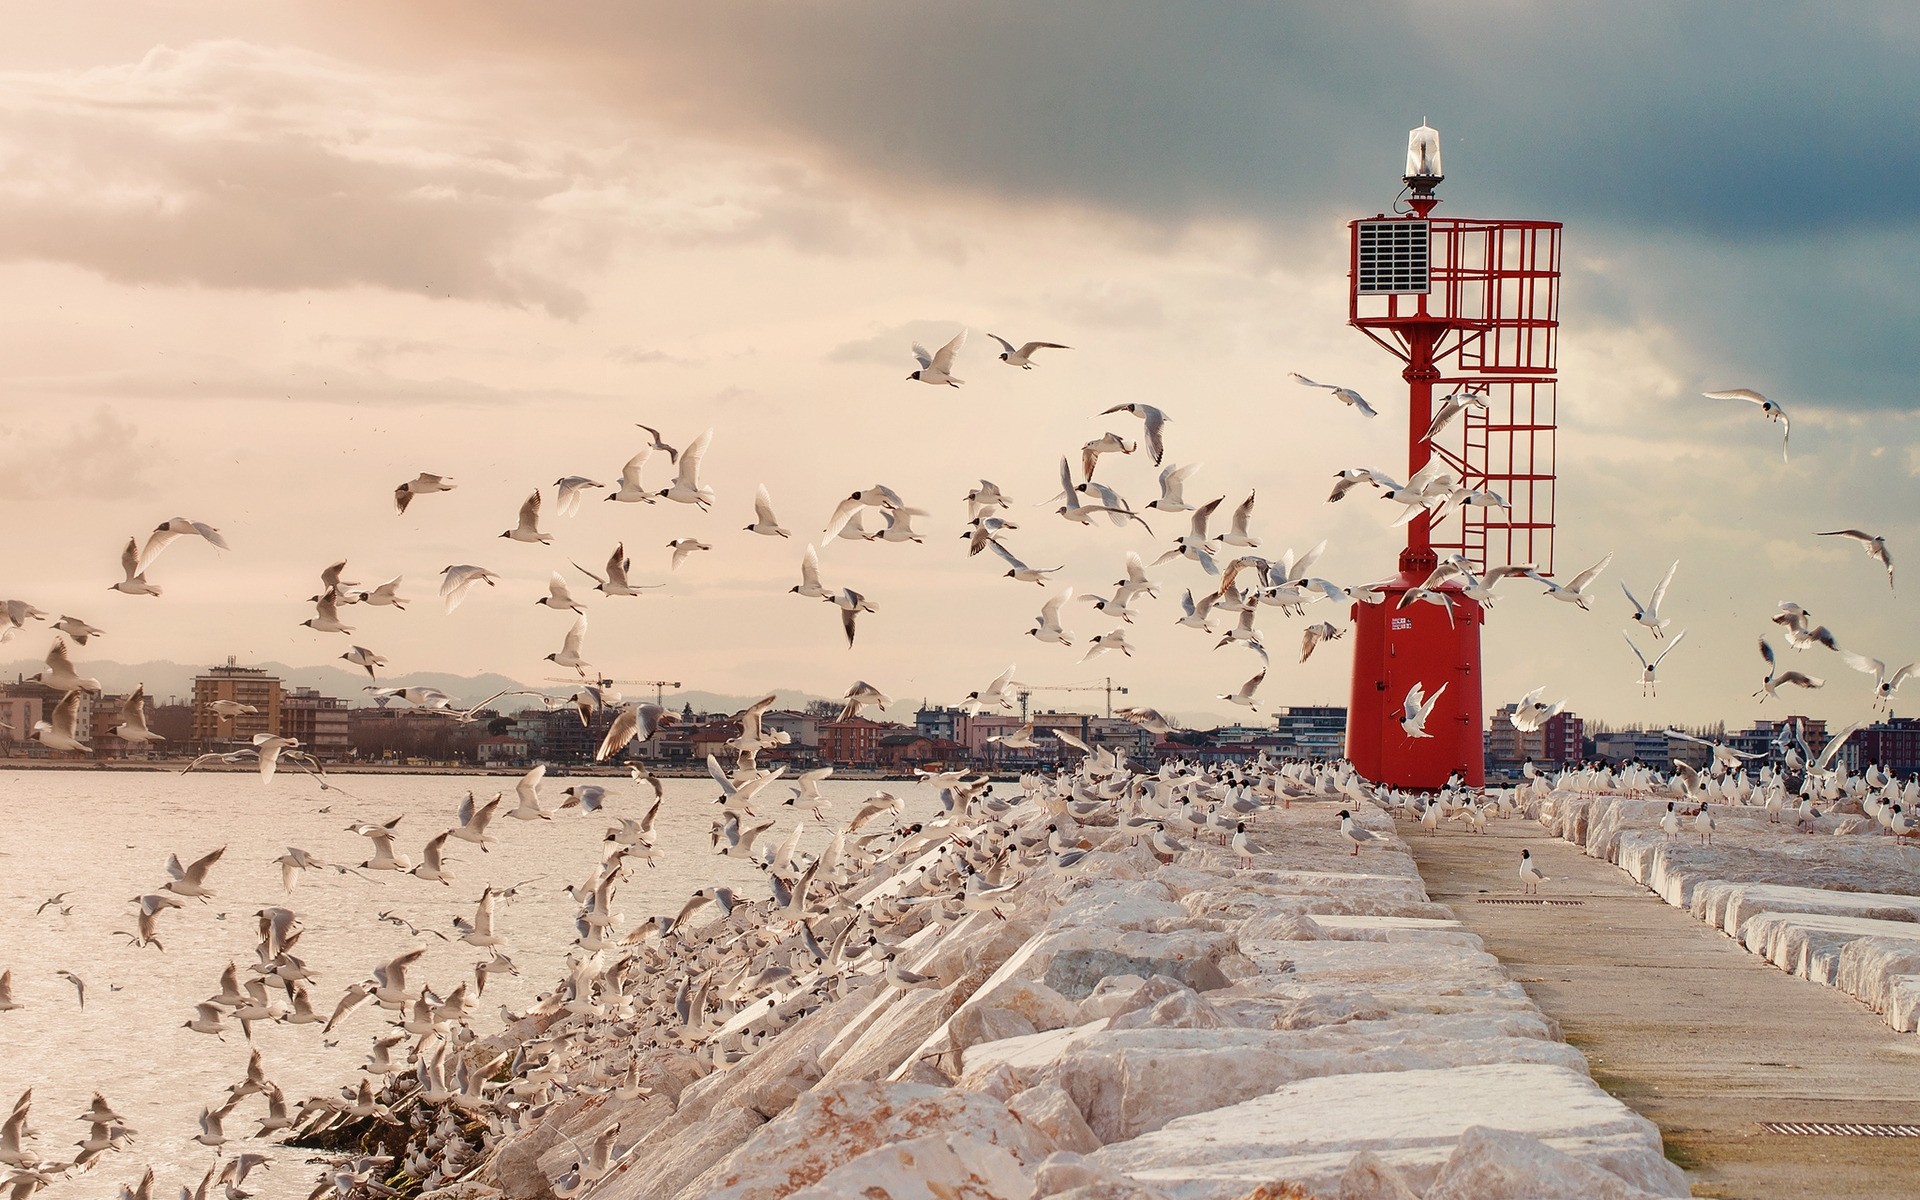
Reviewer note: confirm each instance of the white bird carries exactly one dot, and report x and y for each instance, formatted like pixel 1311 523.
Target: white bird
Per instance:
pixel 1356 835
pixel 474 819
pixel 1106 443
pixel 1020 739
pixel 1415 710
pixel 686 487
pixel 684 547
pixel 559 596
pixel 1884 684
pixel 764 522
pixel 60 674
pixel 1576 592
pixel 569 653
pixel 1237 535
pixel 1314 635
pixel 1347 396
pixel 432 865
pixel 133 719
pixel 1022 356
pixel 636 722
pixel 572 489
pixel 1873 544
pixel 229 709
pixel 1648 614
pixel 456 581
pixel 168 532
pixel 1155 422
pixel 1021 571
pixel 387 593
pixel 851 604
pixel 1193 543
pixel 326 618
pixel 1100 643
pixel 1530 876
pixel 1173 481
pixel 1529 715
pixel 1451 407
pixel 1245 694
pixel 528 528
pixel 862 695
pixel 1047 627
pixel 1772 410
pixel 421 485
pixel 810 584
pixel 1777 678
pixel 998 694
pixel 898 527
pixel 1703 824
pixel 1648 684
pixel 658 443
pixel 1670 823
pixel 135 583
pixel 62 732
pixel 937 368
pixel 631 491
pixel 211 1133
pixel 616 582
pixel 77 629
pixel 1244 847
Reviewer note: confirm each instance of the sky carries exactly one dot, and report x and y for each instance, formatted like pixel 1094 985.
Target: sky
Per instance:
pixel 258 264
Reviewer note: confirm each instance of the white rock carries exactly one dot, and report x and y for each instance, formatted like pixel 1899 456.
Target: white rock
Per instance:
pixel 935 1167
pixel 1497 1164
pixel 1049 1109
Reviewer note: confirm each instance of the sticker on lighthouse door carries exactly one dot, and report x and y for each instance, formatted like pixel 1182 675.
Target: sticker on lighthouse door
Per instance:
pixel 1402 623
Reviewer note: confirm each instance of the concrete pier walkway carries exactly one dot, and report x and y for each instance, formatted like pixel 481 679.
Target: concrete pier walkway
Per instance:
pixel 1685 1026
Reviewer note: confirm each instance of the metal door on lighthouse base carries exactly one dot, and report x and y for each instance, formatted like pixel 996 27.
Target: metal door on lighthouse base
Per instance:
pixel 1395 648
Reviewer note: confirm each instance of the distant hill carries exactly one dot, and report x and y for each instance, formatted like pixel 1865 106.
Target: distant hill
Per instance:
pixel 167 680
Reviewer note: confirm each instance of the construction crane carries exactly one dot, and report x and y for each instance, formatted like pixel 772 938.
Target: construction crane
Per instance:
pixel 1025 690
pixel 659 686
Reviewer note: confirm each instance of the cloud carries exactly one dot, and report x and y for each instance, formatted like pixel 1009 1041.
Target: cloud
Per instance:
pixel 105 458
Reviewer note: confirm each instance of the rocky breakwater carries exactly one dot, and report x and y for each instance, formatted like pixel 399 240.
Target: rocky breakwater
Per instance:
pixel 1834 899
pixel 1127 1014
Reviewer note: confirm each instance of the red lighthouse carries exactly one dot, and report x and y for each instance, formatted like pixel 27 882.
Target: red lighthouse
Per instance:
pixel 1471 308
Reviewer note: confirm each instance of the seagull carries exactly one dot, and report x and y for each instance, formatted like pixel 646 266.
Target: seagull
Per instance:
pixel 898 528
pixel 1778 679
pixel 763 518
pixel 1874 545
pixel 432 865
pixel 1193 543
pixel 135 584
pixel 229 709
pixel 1884 685
pixel 294 861
pixel 1245 694
pixel 457 580
pixel 1047 627
pixel 1245 847
pixel 615 581
pixel 1100 643
pixel 1023 356
pixel 569 653
pixel 1021 571
pixel 1414 711
pixel 326 618
pixel 1353 833
pixel 1796 622
pixel 133 719
pixel 1347 396
pixel 166 533
pixel 387 593
pixel 1575 592
pixel 1773 411
pixel 1314 635
pixel 809 584
pixel 60 675
pixel 630 490
pixel 1172 482
pixel 686 487
pixel 1529 715
pixel 997 694
pixel 1451 407
pixel 851 604
pixel 1530 876
pixel 77 629
pixel 683 547
pixel 1670 823
pixel 420 485
pixel 862 695
pixel 1647 669
pixel 528 529
pixel 1648 614
pixel 1703 824
pixel 572 489
pixel 61 733
pixel 636 722
pixel 937 368
pixel 1019 739
pixel 1155 421
pixel 1106 443
pixel 79 985
pixel 1237 535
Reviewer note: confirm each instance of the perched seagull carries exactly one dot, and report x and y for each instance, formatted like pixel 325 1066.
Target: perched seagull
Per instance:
pixel 763 518
pixel 1347 396
pixel 1777 678
pixel 1047 627
pixel 1884 685
pixel 135 584
pixel 630 490
pixel 615 581
pixel 133 719
pixel 167 533
pixel 360 656
pixel 456 581
pixel 1021 357
pixel 1772 410
pixel 686 487
pixel 1670 823
pixel 1648 614
pixel 683 547
pixel 1314 635
pixel 420 485
pixel 1244 847
pixel 809 584
pixel 1575 592
pixel 1874 545
pixel 1415 710
pixel 1648 683
pixel 1353 833
pixel 1155 421
pixel 937 368
pixel 1530 876
pixel 528 529
pixel 1703 824
pixel 851 604
pixel 77 629
pixel 1529 715
pixel 572 489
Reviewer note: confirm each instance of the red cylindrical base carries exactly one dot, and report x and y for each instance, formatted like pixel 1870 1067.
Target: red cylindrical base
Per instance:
pixel 1395 648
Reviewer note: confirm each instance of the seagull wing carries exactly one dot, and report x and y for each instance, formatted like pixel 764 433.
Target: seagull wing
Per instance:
pixel 842 513
pixel 763 507
pixel 1660 593
pixel 1587 576
pixel 530 511
pixel 1635 649
pixel 943 360
pixel 1303 381
pixel 1766 652
pixel 1662 656
pixel 690 460
pixel 1004 345
pixel 926 359
pixel 1747 394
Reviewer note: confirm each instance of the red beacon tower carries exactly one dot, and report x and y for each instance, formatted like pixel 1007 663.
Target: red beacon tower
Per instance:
pixel 1471 307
